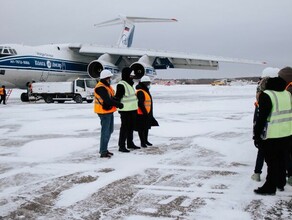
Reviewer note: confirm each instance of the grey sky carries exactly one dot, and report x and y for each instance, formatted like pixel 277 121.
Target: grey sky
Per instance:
pixel 250 29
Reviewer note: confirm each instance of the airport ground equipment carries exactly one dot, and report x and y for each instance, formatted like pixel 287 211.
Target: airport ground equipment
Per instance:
pixel 78 90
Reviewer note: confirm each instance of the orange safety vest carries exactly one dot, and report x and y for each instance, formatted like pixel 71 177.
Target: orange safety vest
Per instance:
pixel 147 102
pixel 289 84
pixel 98 101
pixel 1 91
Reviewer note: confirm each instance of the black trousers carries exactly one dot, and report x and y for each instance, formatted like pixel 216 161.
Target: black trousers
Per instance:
pixel 128 122
pixel 275 152
pixel 3 98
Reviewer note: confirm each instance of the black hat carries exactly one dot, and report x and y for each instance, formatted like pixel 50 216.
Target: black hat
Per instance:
pixel 126 73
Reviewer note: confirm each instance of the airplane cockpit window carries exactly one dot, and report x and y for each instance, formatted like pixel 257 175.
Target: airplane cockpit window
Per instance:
pixel 7 51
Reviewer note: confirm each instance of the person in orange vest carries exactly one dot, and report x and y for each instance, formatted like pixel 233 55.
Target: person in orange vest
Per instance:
pixel 105 105
pixel 3 95
pixel 145 117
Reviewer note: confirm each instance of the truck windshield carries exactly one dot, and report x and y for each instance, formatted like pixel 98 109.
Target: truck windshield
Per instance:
pixel 80 83
pixel 90 83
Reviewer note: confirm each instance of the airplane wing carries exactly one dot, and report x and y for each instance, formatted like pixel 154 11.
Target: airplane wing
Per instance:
pixel 122 57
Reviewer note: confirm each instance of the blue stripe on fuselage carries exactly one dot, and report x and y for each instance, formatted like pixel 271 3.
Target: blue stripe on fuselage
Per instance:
pixel 41 63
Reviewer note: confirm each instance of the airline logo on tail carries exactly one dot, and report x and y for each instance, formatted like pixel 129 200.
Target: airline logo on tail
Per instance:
pixel 127 35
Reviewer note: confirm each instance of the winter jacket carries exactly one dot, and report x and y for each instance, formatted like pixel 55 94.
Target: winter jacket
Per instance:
pixel 265 105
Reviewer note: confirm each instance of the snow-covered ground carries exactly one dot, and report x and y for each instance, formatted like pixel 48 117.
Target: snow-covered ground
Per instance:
pixel 199 167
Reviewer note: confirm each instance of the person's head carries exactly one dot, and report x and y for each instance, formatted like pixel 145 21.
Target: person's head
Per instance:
pixel 127 73
pixel 3 87
pixel 276 84
pixel 286 74
pixel 267 73
pixel 146 81
pixel 106 75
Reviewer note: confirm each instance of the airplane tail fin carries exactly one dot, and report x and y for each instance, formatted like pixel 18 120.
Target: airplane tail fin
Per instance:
pixel 127 34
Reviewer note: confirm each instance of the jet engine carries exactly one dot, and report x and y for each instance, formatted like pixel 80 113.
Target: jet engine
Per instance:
pixel 105 61
pixel 143 67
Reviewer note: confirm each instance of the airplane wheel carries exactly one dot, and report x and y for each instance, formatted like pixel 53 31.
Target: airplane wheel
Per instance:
pixel 78 99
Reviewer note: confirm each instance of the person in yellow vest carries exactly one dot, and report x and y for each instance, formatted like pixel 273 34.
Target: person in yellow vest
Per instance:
pixel 272 133
pixel 126 94
pixel 3 95
pixel 145 117
pixel 105 105
pixel 266 74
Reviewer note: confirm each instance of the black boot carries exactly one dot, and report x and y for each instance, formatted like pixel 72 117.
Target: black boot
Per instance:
pixel 148 143
pixel 124 150
pixel 133 146
pixel 146 138
pixel 265 192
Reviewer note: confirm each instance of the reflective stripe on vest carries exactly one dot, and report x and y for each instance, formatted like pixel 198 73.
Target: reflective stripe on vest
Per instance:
pixel 279 122
pixel 129 100
pixel 98 101
pixel 147 102
pixel 1 91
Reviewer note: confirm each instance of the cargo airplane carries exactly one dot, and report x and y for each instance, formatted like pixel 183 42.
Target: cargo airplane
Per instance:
pixel 20 64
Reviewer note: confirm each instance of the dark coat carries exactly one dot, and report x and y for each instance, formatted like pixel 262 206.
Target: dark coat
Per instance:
pixel 265 105
pixel 108 101
pixel 146 120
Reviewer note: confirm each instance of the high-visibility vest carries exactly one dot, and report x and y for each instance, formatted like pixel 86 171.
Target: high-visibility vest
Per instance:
pixel 98 101
pixel 129 100
pixel 1 91
pixel 147 102
pixel 279 122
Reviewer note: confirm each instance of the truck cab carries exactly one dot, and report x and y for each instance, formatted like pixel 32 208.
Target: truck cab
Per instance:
pixel 85 88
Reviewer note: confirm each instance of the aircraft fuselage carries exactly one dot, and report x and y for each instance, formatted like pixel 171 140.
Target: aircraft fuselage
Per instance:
pixel 21 64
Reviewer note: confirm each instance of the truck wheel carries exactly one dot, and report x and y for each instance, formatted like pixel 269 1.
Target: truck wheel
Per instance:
pixel 78 98
pixel 24 97
pixel 48 99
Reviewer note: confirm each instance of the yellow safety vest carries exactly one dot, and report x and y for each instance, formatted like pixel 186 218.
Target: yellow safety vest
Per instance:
pixel 98 101
pixel 129 100
pixel 147 102
pixel 279 122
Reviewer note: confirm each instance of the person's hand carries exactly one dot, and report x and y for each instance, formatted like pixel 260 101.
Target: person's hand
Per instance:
pixel 121 105
pixel 257 142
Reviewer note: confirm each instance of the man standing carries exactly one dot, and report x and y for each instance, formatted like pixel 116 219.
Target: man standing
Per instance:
pixel 272 133
pixel 126 94
pixel 3 95
pixel 105 106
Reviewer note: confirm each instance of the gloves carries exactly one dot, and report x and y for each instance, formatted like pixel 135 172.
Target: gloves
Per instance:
pixel 121 105
pixel 257 142
pixel 106 107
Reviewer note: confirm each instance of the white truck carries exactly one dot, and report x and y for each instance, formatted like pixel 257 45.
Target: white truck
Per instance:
pixel 78 90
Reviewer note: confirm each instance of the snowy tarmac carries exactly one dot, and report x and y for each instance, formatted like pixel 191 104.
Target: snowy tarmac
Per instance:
pixel 198 168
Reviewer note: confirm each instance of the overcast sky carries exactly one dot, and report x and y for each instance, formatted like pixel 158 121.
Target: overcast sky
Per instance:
pixel 251 29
